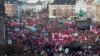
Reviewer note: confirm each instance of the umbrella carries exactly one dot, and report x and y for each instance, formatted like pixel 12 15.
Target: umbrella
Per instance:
pixel 17 20
pixel 17 29
pixel 62 21
pixel 32 28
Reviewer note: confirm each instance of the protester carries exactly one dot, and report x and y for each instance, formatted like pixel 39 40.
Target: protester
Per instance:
pixel 48 38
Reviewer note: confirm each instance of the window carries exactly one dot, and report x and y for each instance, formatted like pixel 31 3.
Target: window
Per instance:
pixel 54 12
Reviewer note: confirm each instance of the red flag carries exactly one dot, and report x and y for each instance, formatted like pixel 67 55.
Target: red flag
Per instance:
pixel 31 23
pixel 68 23
pixel 70 39
pixel 94 29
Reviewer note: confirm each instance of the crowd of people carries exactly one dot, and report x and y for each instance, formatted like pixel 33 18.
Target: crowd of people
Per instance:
pixel 49 37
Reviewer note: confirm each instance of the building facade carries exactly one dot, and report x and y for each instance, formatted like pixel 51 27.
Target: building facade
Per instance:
pixel 91 9
pixel 34 7
pixel 59 11
pixel 35 1
pixel 11 9
pixel 80 5
pixel 62 8
pixel 98 12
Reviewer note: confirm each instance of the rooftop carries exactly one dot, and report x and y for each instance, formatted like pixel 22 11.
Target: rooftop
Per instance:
pixel 69 2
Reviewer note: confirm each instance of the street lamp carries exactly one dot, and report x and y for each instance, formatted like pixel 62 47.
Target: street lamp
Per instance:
pixel 2 22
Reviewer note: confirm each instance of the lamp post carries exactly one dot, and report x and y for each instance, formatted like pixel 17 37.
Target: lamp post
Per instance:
pixel 18 10
pixel 2 22
pixel 25 6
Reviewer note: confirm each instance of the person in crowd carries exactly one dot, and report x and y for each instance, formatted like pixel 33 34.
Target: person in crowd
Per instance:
pixel 49 38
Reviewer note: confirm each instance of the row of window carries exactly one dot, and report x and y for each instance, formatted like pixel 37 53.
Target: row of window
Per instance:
pixel 63 6
pixel 61 10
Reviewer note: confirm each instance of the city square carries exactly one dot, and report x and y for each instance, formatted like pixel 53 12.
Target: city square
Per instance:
pixel 50 28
